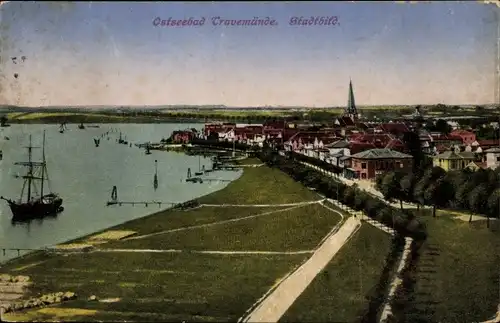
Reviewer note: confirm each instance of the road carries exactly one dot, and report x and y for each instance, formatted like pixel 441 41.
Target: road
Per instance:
pixel 272 308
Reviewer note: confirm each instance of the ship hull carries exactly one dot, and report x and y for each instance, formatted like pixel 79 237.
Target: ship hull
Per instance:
pixel 48 205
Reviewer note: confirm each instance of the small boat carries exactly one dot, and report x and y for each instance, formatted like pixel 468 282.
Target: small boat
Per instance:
pixel 148 152
pixel 34 206
pixel 81 126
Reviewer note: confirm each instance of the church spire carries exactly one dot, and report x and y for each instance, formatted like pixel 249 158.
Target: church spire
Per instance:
pixel 351 110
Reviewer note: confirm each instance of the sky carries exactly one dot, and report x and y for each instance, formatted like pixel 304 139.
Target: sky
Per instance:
pixel 111 53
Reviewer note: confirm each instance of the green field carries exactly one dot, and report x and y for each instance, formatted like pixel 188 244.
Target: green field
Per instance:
pixel 338 293
pixel 176 286
pixel 291 229
pixel 458 272
pixel 160 287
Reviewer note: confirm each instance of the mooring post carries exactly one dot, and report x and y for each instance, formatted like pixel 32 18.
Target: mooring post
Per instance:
pixel 114 194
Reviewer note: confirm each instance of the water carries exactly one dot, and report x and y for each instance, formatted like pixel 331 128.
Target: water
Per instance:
pixel 84 176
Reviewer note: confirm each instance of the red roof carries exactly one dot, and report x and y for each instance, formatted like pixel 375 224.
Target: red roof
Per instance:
pixel 357 147
pixel 446 137
pixel 461 132
pixel 488 142
pixel 396 144
pixel 442 148
pixel 394 128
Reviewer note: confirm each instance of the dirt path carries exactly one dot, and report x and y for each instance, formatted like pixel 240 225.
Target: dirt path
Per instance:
pixel 216 223
pixel 263 205
pixel 215 252
pixel 279 299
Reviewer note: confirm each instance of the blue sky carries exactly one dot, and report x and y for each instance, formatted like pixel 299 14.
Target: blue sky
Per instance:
pixel 89 53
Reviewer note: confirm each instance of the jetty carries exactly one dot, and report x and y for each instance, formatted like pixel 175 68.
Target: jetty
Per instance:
pixel 145 203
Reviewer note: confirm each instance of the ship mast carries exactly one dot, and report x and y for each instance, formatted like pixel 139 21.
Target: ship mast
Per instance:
pixel 43 165
pixel 30 170
pixel 30 176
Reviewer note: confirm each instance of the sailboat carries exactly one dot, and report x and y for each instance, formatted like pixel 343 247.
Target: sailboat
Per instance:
pixel 35 206
pixel 148 152
pixel 81 126
pixel 96 142
pixel 62 127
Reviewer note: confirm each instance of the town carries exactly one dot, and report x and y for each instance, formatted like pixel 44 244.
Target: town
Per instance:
pixel 357 148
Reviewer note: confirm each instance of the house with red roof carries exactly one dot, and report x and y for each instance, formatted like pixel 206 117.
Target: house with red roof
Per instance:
pixel 370 163
pixel 468 137
pixel 393 128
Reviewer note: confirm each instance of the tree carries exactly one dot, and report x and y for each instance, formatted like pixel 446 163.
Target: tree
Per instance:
pixel 443 126
pixel 391 187
pixel 419 190
pixel 360 200
pixel 413 145
pixel 478 199
pixel 407 184
pixel 493 206
pixel 436 195
pixel 349 195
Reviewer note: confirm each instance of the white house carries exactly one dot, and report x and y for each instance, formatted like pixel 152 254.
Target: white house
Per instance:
pixel 492 157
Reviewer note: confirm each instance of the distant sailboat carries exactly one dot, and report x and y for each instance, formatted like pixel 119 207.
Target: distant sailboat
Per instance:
pixel 62 127
pixel 148 152
pixel 81 126
pixel 96 142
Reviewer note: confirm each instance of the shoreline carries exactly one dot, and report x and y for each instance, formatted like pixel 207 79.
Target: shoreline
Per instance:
pixel 46 249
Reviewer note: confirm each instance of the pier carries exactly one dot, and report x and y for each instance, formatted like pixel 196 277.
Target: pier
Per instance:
pixel 145 203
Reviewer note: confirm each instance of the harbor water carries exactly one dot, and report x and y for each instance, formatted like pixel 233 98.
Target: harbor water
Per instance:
pixel 84 176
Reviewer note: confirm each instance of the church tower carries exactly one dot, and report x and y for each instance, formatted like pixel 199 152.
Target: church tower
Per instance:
pixel 350 110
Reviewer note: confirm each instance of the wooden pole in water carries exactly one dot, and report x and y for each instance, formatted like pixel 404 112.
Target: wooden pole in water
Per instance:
pixel 155 180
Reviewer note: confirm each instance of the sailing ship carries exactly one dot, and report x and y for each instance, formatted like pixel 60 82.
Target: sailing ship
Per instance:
pixel 35 206
pixel 81 126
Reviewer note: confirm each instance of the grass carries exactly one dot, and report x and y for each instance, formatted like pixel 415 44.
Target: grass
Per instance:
pixel 301 228
pixel 457 274
pixel 161 287
pixel 337 294
pixel 186 286
pixel 261 185
pixel 174 219
pixel 249 161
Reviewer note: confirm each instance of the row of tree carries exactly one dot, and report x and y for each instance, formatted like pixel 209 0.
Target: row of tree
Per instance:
pixel 402 221
pixel 475 191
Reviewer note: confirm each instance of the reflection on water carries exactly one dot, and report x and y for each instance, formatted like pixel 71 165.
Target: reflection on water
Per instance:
pixel 84 176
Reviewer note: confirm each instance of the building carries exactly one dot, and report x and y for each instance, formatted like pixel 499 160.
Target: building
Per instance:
pixel 468 137
pixel 371 163
pixel 492 157
pixel 453 160
pixel 350 117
